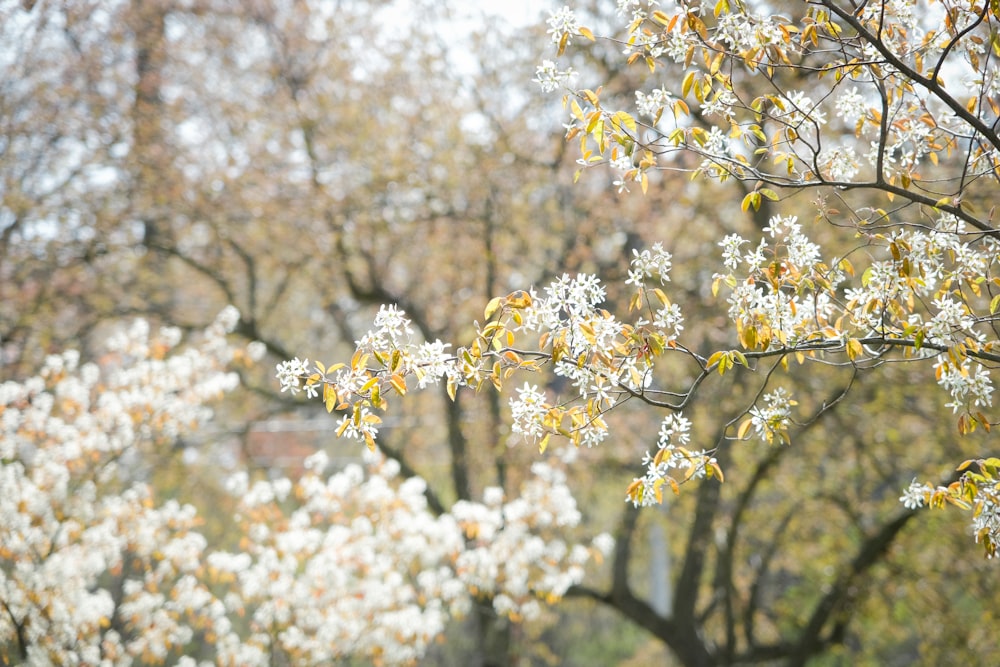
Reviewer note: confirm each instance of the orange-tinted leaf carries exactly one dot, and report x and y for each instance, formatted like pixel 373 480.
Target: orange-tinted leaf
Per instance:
pixel 398 383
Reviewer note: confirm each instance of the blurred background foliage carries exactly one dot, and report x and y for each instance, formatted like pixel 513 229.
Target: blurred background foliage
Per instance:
pixel 307 160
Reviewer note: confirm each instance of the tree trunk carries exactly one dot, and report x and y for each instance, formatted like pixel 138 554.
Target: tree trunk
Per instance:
pixel 151 192
pixel 494 649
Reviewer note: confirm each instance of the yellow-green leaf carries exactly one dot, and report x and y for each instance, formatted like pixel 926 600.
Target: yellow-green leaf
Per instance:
pixel 492 307
pixel 687 83
pixel 626 120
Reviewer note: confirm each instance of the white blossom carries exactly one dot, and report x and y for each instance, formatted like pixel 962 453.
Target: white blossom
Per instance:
pixel 563 23
pixel 915 495
pixel 551 78
pixel 851 105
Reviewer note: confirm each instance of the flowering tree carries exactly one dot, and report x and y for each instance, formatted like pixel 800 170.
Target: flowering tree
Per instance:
pixel 90 567
pixel 291 191
pixel 913 283
pixel 94 569
pixel 900 112
pixel 895 135
pixel 360 566
pixel 175 195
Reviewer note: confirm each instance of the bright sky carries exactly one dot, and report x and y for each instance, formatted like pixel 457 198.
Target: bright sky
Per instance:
pixel 518 12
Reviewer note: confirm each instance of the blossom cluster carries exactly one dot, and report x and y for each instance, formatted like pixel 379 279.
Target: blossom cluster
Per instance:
pixel 652 262
pixel 74 525
pixel 361 567
pixel 349 564
pixel 986 519
pixel 563 24
pixel 771 420
pixel 766 297
pixel 386 355
pixel 916 494
pixel 357 566
pixel 787 294
pixel 969 384
pixel 672 455
pixel 551 78
pixel 976 490
pixel 581 334
pixel 515 554
pixel 527 411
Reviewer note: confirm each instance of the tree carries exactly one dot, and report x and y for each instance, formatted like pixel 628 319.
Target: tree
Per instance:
pixel 93 567
pixel 285 156
pixel 929 293
pixel 241 193
pixel 895 137
pixel 925 291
